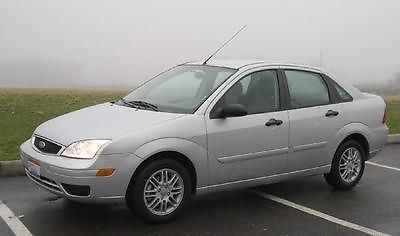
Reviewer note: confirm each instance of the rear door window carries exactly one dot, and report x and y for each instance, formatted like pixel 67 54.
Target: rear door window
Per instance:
pixel 306 89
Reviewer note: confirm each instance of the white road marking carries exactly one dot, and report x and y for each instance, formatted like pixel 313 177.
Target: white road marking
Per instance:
pixel 13 221
pixel 383 166
pixel 319 214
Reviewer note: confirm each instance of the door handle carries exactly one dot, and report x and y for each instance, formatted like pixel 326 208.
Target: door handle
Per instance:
pixel 273 122
pixel 331 113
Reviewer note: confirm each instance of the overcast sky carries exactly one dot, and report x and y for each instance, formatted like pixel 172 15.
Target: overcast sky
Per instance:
pixel 126 42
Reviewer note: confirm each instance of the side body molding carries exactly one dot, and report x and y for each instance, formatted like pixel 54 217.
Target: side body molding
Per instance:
pixel 196 154
pixel 249 156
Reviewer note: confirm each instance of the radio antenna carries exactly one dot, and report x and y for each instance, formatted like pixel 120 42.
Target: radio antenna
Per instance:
pixel 223 45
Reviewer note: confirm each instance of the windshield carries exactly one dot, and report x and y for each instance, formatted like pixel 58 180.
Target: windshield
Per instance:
pixel 181 89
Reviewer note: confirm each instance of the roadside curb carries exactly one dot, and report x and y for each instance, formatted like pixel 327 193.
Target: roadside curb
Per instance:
pixel 11 168
pixel 14 168
pixel 393 139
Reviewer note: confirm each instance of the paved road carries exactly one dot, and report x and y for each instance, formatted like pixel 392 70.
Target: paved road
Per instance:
pixel 373 204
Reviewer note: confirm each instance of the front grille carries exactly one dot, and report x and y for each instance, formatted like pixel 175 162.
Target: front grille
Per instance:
pixel 46 146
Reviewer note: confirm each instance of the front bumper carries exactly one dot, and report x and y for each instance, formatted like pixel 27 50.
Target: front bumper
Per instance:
pixel 76 179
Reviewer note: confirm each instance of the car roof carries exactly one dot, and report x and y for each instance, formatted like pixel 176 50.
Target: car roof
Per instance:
pixel 240 63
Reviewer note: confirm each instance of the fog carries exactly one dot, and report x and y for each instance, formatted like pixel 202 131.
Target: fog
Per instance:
pixel 82 43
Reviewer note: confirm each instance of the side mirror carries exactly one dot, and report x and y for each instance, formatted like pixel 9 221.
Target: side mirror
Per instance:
pixel 232 110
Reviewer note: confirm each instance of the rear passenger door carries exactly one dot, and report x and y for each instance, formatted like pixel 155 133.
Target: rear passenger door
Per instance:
pixel 314 118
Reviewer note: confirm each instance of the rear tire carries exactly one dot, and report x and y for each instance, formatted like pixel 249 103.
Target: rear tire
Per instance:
pixel 347 166
pixel 159 192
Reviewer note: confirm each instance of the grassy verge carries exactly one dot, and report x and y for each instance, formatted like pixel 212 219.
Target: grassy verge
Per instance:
pixel 393 109
pixel 21 110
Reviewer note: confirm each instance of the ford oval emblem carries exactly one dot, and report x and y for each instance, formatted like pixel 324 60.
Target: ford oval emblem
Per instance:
pixel 41 144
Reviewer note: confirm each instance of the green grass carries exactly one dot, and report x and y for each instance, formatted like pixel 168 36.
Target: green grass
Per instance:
pixel 22 110
pixel 393 109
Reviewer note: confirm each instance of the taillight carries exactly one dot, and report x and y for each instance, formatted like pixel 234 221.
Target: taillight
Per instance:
pixel 384 116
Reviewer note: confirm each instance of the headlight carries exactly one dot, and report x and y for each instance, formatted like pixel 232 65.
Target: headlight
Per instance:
pixel 85 149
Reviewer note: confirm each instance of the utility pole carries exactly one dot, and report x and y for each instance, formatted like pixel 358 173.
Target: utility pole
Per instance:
pixel 320 58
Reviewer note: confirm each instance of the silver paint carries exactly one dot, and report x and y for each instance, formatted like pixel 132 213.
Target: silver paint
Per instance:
pixel 229 153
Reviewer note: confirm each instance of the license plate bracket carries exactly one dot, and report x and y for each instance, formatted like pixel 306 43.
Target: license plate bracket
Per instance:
pixel 33 167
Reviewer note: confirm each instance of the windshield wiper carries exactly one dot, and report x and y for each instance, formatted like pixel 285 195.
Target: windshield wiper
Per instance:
pixel 144 104
pixel 128 103
pixel 139 104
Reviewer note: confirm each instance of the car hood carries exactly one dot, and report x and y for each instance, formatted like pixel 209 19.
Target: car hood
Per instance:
pixel 103 121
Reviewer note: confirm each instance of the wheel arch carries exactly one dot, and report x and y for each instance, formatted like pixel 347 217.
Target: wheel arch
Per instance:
pixel 361 139
pixel 356 131
pixel 184 150
pixel 172 155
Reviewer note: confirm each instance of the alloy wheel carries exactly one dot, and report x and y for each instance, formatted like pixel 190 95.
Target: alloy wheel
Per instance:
pixel 350 164
pixel 163 191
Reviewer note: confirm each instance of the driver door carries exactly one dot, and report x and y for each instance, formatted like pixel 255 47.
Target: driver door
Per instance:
pixel 251 146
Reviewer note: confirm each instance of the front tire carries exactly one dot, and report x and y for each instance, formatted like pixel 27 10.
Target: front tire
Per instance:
pixel 159 192
pixel 347 166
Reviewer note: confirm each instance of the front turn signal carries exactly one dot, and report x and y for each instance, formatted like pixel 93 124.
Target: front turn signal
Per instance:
pixel 105 172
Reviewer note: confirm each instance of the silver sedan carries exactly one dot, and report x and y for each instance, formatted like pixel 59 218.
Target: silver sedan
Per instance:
pixel 198 128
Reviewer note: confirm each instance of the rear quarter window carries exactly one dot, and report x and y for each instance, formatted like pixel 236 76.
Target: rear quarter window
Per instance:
pixel 340 93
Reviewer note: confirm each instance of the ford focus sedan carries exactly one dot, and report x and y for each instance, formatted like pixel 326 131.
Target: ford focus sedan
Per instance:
pixel 198 128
